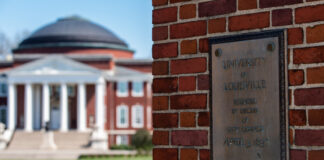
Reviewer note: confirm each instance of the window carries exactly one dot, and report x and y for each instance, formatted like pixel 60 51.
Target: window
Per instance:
pixel 71 91
pixel 3 89
pixel 122 140
pixel 3 115
pixel 137 89
pixel 137 116
pixel 122 116
pixel 122 89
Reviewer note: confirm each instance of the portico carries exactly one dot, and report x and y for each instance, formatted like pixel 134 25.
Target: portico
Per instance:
pixel 38 79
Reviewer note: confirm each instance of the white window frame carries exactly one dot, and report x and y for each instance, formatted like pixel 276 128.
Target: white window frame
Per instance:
pixel 137 94
pixel 122 140
pixel 134 124
pixel 1 93
pixel 71 91
pixel 118 117
pixel 121 94
pixel 2 107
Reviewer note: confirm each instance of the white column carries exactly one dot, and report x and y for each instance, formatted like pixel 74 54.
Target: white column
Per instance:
pixel 64 108
pixel 28 107
pixel 46 104
pixel 82 112
pixel 11 106
pixel 37 107
pixel 100 103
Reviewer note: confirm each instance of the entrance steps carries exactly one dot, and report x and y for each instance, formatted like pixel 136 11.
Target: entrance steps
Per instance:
pixel 26 140
pixel 36 140
pixel 71 140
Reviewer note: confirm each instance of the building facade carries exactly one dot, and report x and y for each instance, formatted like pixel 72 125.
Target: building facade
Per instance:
pixel 76 75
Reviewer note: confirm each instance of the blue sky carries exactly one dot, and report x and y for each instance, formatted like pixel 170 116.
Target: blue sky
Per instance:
pixel 131 20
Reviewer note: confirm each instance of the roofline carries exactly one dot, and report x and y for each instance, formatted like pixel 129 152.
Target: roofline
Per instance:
pixel 78 57
pixel 74 44
pixel 133 61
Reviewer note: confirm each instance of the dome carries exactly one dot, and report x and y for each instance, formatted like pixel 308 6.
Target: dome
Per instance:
pixel 73 32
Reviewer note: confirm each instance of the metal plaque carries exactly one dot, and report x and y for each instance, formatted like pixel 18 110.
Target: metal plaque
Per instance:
pixel 248 97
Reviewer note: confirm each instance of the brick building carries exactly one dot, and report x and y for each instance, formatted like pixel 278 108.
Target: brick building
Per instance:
pixel 181 83
pixel 76 75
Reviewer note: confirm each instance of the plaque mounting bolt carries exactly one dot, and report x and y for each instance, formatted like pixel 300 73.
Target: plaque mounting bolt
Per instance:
pixel 218 52
pixel 271 47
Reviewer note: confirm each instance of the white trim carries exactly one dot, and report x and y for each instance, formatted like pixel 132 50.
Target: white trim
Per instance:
pixel 114 132
pixel 122 94
pixel 118 116
pixel 138 94
pixel 134 116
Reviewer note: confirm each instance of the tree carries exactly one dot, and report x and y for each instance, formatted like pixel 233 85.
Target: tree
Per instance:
pixel 142 141
pixel 4 44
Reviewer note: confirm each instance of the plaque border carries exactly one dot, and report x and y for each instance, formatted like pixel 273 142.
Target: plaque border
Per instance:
pixel 283 95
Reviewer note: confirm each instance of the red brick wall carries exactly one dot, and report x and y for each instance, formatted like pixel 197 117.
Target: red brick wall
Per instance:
pixel 180 51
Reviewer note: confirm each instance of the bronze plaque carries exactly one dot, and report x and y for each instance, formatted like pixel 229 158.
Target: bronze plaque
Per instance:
pixel 248 97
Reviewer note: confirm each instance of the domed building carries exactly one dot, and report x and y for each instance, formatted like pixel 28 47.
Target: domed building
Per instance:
pixel 75 76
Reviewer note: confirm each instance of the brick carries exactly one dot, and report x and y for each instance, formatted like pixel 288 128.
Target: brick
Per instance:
pixel 188 154
pixel 309 55
pixel 203 119
pixel 160 103
pixel 187 83
pixel 160 33
pixel 160 68
pixel 213 8
pixel 203 45
pixel 297 117
pixel 297 154
pixel 165 15
pixel 295 36
pixel 165 85
pixel 160 138
pixel 191 101
pixel 177 1
pixel 217 25
pixel 291 136
pixel 315 75
pixel 203 82
pixel 281 17
pixel 188 119
pixel 189 138
pixel 193 65
pixel 165 153
pixel 159 2
pixel 188 47
pixel 309 137
pixel 165 120
pixel 309 14
pixel 316 117
pixel 204 154
pixel 188 11
pixel 189 29
pixel 296 77
pixel 247 4
pixel 249 21
pixel 315 34
pixel 316 155
pixel 275 3
pixel 165 50
pixel 309 96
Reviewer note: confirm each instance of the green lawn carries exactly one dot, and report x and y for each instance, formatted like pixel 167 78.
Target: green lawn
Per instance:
pixel 118 158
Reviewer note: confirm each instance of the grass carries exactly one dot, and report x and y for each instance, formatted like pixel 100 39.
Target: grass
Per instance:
pixel 118 158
